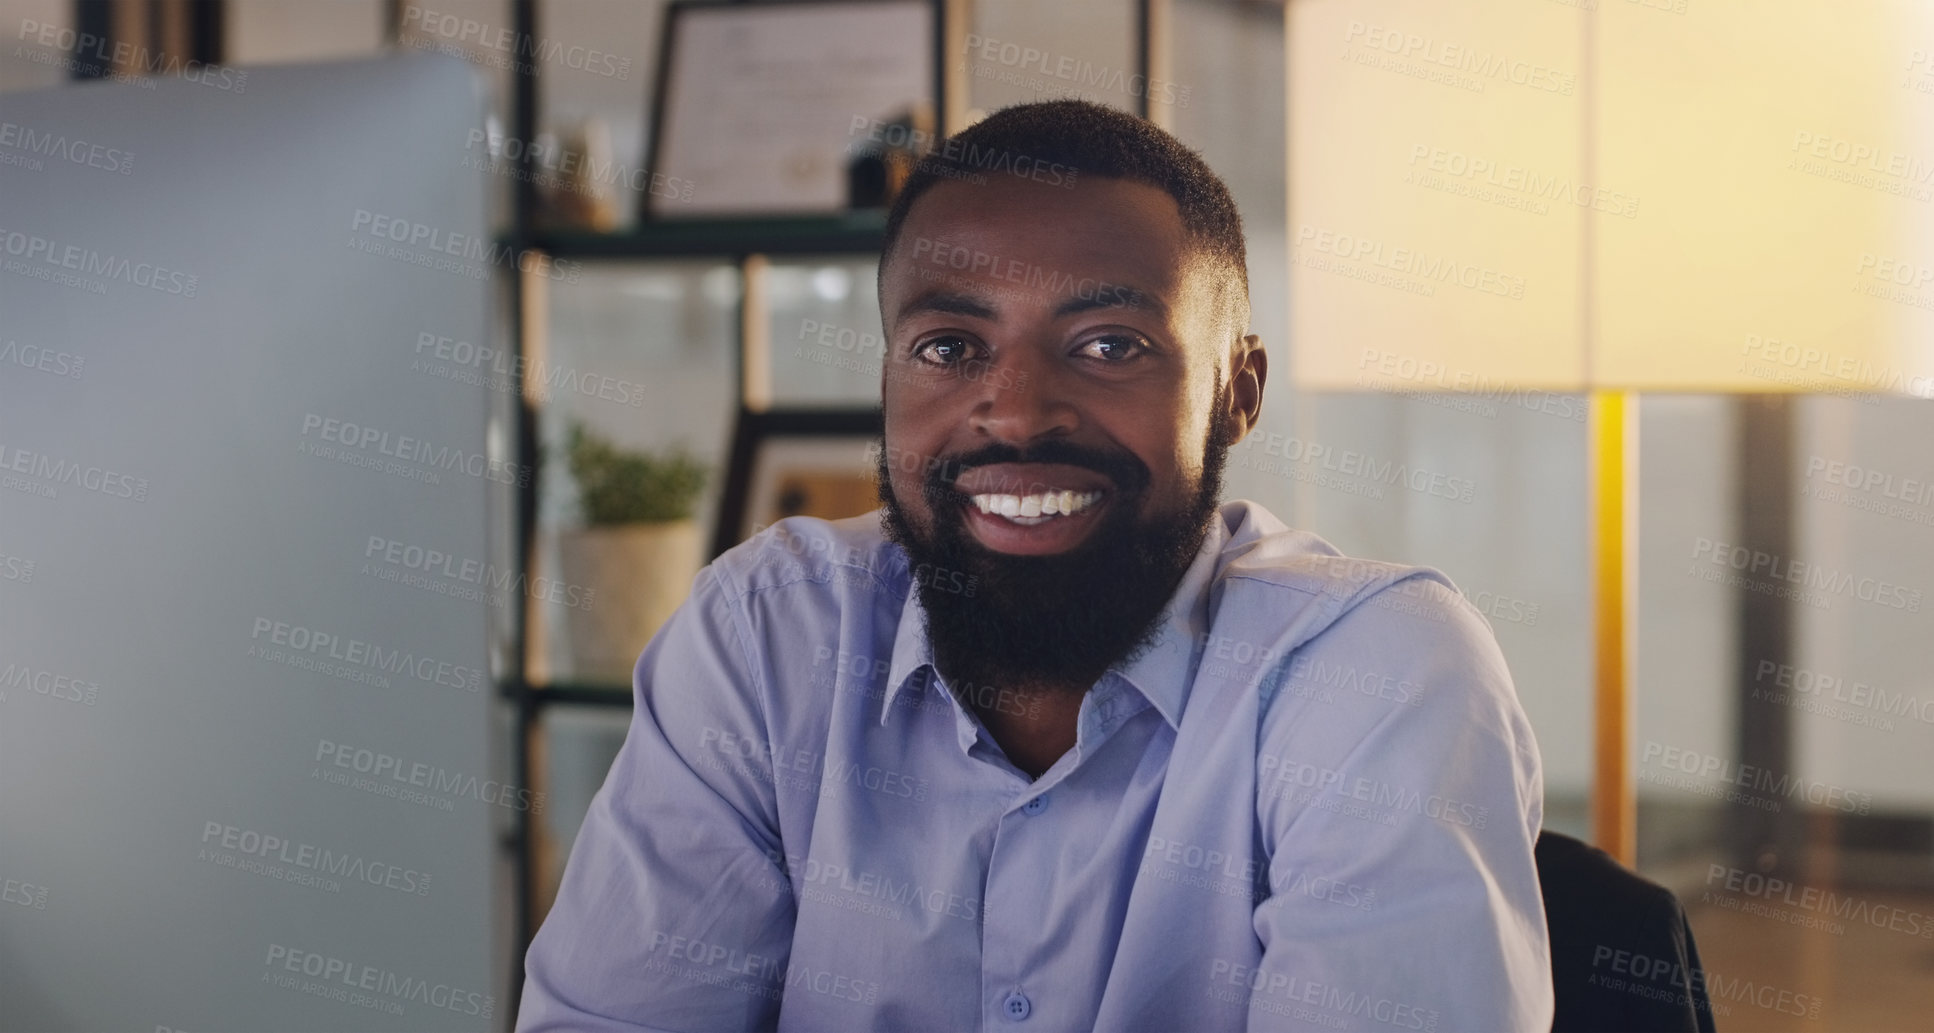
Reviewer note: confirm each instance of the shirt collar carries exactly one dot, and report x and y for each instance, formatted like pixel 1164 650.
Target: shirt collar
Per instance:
pixel 1162 673
pixel 912 652
pixel 1165 669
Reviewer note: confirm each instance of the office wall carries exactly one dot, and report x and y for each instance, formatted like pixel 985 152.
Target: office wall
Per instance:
pixel 1862 679
pixel 276 31
pixel 22 24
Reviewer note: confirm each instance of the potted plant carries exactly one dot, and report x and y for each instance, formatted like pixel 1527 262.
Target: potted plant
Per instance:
pixel 636 554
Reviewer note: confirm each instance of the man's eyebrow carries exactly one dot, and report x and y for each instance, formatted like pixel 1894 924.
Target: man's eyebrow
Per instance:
pixel 1113 296
pixel 953 303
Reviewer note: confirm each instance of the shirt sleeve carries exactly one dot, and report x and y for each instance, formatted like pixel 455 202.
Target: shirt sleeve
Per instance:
pixel 1403 892
pixel 675 913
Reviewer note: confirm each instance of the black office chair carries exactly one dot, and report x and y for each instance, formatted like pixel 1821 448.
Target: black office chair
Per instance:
pixel 1622 956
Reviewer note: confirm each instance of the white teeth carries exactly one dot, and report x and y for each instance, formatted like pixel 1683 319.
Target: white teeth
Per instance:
pixel 1038 507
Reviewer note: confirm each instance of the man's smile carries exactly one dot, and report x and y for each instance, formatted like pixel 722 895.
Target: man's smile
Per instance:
pixel 1032 508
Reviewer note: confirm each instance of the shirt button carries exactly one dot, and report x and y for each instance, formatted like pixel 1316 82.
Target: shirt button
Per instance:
pixel 1035 806
pixel 1017 1006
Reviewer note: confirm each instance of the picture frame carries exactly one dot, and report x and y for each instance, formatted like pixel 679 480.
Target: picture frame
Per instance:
pixel 819 476
pixel 759 106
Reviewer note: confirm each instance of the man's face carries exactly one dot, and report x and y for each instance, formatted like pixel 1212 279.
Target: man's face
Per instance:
pixel 1061 382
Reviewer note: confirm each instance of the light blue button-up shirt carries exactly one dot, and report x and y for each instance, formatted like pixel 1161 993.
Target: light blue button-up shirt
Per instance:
pixel 1310 805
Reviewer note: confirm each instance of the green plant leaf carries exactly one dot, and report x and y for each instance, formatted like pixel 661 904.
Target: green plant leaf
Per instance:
pixel 620 486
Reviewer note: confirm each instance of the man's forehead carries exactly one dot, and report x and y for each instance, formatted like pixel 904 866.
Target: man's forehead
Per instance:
pixel 1098 207
pixel 1127 234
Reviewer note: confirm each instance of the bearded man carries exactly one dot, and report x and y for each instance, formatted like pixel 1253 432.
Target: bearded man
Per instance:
pixel 1057 740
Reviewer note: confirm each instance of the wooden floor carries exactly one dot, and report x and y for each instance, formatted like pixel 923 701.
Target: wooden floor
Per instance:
pixel 1858 978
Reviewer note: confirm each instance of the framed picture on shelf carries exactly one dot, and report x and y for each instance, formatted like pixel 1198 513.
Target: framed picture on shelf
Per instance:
pixel 773 108
pixel 829 478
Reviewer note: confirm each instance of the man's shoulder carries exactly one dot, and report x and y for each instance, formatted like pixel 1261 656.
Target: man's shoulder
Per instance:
pixel 1280 589
pixel 1261 555
pixel 804 551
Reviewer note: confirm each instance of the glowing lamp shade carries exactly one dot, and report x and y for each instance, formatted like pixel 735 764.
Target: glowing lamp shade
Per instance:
pixel 1676 195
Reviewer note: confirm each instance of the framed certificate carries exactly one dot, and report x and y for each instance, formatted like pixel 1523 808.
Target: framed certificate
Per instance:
pixel 761 106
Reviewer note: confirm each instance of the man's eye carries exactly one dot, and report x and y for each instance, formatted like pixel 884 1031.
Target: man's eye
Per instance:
pixel 1114 348
pixel 943 351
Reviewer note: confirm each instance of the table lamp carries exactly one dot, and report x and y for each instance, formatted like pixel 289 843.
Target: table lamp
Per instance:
pixel 1609 198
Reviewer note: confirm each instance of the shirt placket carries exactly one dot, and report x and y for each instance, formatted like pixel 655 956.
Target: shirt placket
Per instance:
pixel 1014 996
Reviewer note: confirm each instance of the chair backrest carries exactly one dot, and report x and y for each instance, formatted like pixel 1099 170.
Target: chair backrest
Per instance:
pixel 1622 955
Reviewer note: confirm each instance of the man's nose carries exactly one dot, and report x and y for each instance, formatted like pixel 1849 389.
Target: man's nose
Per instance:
pixel 1021 398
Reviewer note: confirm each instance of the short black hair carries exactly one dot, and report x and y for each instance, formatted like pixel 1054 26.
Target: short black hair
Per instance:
pixel 1090 140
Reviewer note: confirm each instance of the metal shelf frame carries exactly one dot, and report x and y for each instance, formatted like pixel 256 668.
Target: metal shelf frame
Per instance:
pixel 743 242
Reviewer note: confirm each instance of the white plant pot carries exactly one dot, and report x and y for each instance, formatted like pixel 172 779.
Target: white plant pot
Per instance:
pixel 637 575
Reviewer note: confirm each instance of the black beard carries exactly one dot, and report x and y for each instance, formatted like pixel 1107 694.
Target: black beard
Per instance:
pixel 1058 621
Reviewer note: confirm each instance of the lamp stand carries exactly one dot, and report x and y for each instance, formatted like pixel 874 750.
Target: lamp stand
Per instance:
pixel 1614 495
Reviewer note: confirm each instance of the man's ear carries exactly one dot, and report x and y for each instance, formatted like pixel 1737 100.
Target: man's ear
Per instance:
pixel 1248 371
